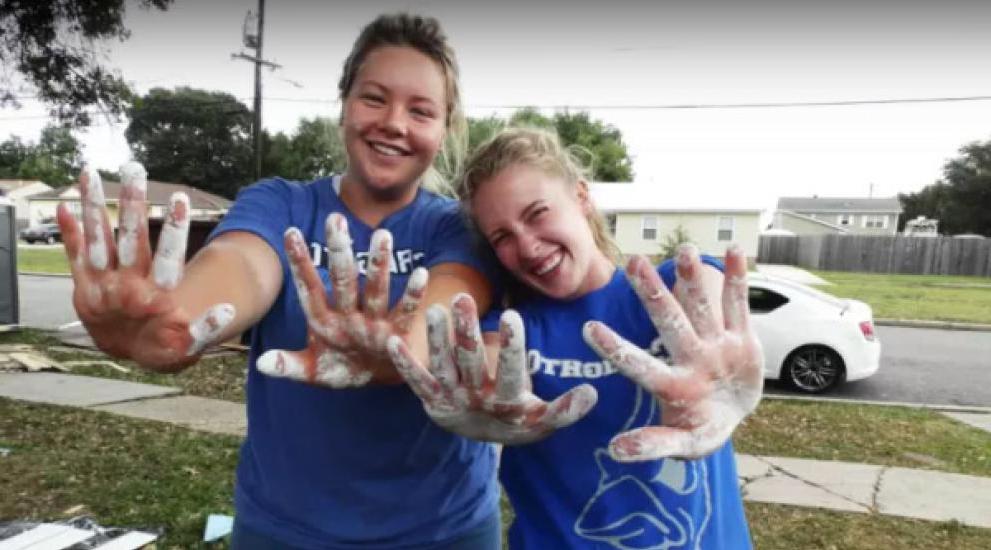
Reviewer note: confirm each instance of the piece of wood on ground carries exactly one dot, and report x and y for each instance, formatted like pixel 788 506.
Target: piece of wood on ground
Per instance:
pixel 35 362
pixel 97 362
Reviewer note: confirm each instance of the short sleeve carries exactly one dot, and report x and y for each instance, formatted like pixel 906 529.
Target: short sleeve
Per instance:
pixel 669 273
pixel 453 241
pixel 263 208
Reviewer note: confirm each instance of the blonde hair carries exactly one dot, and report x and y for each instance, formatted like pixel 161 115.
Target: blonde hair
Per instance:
pixel 424 35
pixel 539 149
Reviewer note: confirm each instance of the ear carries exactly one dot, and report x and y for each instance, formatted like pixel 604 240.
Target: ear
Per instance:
pixel 584 197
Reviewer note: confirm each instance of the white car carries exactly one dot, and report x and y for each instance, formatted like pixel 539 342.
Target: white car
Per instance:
pixel 812 340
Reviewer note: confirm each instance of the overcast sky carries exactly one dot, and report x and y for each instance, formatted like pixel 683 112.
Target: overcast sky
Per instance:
pixel 635 55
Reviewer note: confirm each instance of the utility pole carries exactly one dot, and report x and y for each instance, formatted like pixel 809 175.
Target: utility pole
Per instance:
pixel 252 38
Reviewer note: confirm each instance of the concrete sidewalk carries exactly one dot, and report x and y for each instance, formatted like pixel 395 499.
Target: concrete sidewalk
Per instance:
pixel 844 486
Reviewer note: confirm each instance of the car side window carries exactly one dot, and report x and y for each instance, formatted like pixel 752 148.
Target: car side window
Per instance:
pixel 763 300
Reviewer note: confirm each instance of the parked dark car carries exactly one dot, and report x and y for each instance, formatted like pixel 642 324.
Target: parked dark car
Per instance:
pixel 44 233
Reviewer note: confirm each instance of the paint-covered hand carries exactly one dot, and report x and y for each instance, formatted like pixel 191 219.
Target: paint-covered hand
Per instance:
pixel 714 378
pixel 462 395
pixel 346 345
pixel 123 295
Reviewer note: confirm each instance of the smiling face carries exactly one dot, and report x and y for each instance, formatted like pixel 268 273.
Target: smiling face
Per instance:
pixel 394 119
pixel 537 224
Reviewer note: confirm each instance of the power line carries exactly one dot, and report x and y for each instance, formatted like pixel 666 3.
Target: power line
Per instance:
pixel 582 107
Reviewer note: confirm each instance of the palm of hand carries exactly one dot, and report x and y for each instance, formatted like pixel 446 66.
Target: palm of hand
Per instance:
pixel 122 294
pixel 715 377
pixel 346 343
pixel 461 394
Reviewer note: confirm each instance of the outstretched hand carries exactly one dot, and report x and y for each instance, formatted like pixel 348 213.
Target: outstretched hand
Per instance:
pixel 346 341
pixel 715 375
pixel 462 395
pixel 123 295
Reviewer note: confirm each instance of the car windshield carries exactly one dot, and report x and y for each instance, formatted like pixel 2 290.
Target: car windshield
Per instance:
pixel 810 291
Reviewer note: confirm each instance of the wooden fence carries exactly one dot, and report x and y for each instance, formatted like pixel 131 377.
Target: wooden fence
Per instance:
pixel 879 254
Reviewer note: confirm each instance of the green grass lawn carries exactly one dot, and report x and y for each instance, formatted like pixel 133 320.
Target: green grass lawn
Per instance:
pixel 42 260
pixel 888 436
pixel 928 297
pixel 142 474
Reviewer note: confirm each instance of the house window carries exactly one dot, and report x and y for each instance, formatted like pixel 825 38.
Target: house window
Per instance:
pixel 876 222
pixel 611 224
pixel 845 219
pixel 649 228
pixel 725 232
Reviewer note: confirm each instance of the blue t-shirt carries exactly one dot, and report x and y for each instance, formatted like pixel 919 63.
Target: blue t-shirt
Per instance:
pixel 354 468
pixel 566 490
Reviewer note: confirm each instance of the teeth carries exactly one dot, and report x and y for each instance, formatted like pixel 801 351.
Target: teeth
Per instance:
pixel 388 150
pixel 548 266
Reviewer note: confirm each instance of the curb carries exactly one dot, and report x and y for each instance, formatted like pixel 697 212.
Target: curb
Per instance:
pixel 942 325
pixel 42 274
pixel 845 401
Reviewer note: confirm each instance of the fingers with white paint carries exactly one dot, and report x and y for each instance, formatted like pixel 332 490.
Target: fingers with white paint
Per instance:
pixel 460 395
pixel 665 312
pixel 309 286
pixel 512 379
pixel 170 257
pixel 469 350
pixel 133 249
pixel 206 328
pixel 376 291
pixel 343 273
pixel 96 226
pixel 405 311
pixel 717 372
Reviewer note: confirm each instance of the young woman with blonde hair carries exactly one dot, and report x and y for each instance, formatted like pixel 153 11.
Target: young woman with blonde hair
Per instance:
pixel 349 460
pixel 616 441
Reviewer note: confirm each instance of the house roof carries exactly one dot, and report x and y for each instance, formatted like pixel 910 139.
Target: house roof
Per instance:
pixel 656 197
pixel 796 215
pixel 158 194
pixel 840 204
pixel 9 186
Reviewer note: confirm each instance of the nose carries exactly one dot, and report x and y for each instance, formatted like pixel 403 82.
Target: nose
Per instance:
pixel 394 120
pixel 529 245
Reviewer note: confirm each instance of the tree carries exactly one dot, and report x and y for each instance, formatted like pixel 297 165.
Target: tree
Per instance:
pixel 197 137
pixel 50 44
pixel 314 150
pixel 677 237
pixel 55 159
pixel 602 143
pixel 962 198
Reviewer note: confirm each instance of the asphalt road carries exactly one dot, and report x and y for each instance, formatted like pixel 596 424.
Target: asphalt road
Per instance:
pixel 921 365
pixel 940 367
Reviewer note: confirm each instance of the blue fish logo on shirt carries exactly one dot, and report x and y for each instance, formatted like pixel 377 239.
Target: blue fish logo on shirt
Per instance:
pixel 658 497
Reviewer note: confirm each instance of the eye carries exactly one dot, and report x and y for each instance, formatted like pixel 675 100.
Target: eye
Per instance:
pixel 497 239
pixel 422 112
pixel 371 98
pixel 537 213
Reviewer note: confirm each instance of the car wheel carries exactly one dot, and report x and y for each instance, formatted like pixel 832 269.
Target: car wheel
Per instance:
pixel 814 369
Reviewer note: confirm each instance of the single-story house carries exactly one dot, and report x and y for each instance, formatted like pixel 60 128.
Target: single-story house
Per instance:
pixel 858 216
pixel 203 205
pixel 18 192
pixel 641 216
